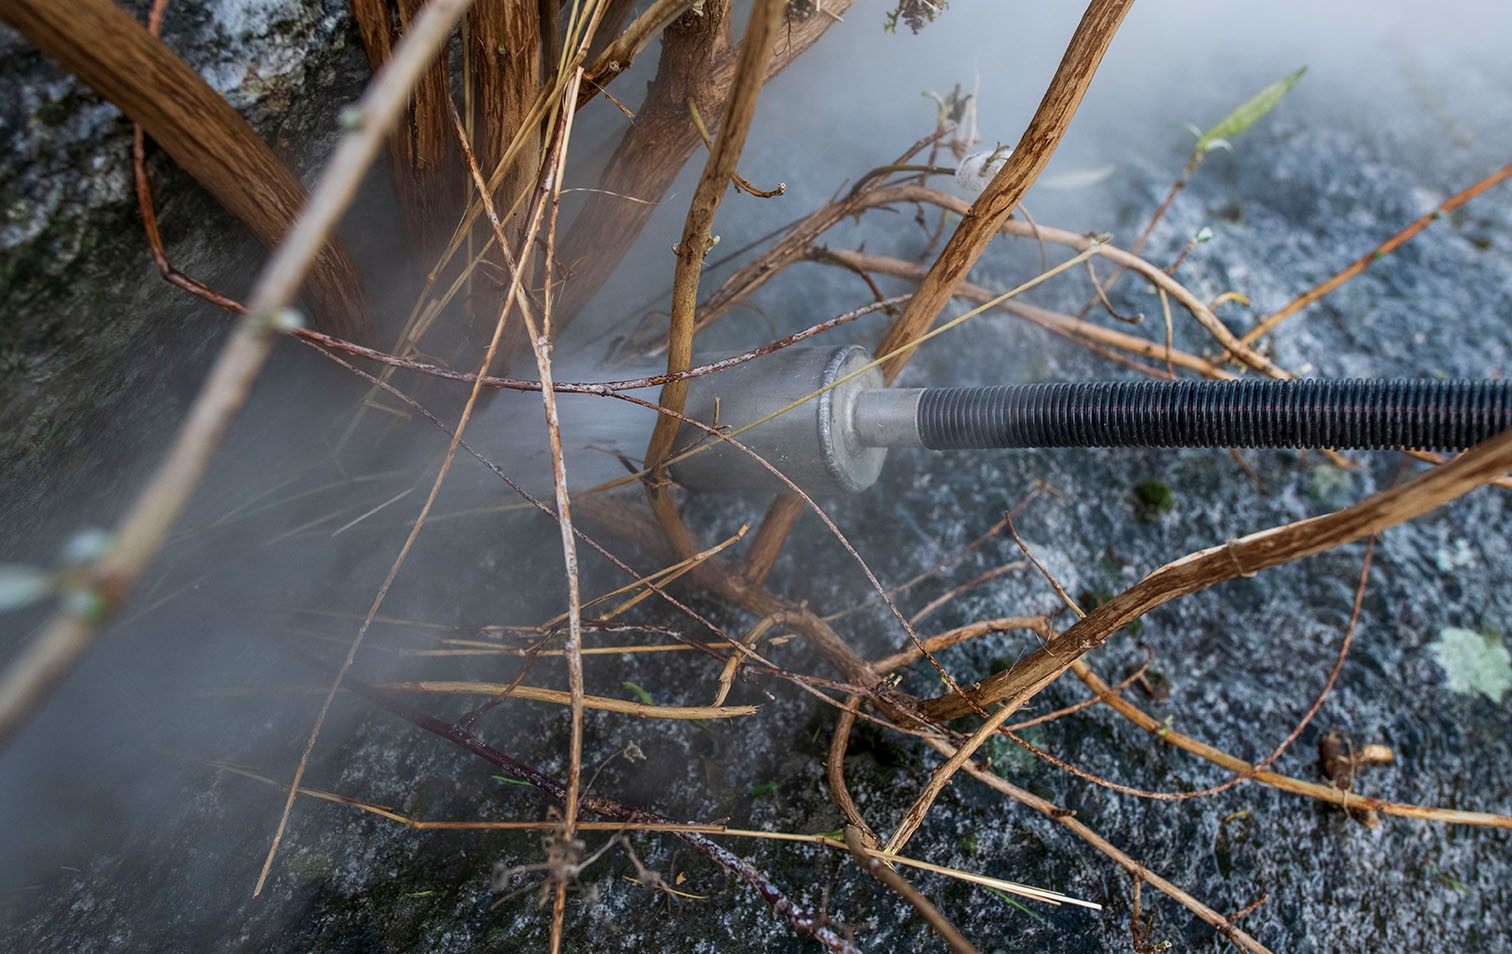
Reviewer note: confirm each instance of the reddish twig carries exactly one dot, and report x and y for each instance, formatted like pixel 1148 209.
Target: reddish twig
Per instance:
pixel 1269 322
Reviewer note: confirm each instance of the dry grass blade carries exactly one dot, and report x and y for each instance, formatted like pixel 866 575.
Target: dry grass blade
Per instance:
pixel 558 697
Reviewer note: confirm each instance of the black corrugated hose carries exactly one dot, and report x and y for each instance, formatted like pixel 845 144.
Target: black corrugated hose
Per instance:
pixel 1351 413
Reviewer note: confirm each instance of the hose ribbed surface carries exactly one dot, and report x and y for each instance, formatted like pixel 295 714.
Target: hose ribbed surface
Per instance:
pixel 1353 413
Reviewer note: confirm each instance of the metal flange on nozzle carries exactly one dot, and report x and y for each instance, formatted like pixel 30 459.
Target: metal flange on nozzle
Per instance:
pixel 814 444
pixel 836 442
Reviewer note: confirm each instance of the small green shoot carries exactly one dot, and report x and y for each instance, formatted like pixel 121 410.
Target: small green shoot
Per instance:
pixel 511 780
pixel 1152 498
pixel 1450 881
pixel 762 789
pixel 1009 898
pixel 1245 115
pixel 641 694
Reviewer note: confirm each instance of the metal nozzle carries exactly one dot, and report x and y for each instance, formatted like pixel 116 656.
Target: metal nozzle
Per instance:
pixel 814 444
pixel 837 442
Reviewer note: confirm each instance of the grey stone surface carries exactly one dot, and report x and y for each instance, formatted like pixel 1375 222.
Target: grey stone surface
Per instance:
pixel 121 836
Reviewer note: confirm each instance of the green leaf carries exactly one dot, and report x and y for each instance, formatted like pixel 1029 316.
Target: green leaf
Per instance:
pixel 641 694
pixel 22 584
pixel 1247 113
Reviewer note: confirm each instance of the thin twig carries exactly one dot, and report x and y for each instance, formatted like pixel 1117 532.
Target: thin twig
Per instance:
pixel 600 388
pixel 618 55
pixel 1068 819
pixel 540 341
pixel 1269 322
pixel 878 869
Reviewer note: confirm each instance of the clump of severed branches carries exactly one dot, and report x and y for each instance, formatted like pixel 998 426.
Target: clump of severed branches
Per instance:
pixel 479 187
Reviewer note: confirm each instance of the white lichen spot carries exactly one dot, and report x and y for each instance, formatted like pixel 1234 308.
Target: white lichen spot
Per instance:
pixel 977 169
pixel 1454 556
pixel 247 17
pixel 1474 662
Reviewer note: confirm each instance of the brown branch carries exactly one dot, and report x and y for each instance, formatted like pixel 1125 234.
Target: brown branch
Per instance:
pixel 506 80
pixel 421 160
pixel 619 54
pixel 1036 624
pixel 992 208
pixel 115 55
pixel 785 509
pixel 696 63
pixel 1242 557
pixel 834 774
pixel 1285 783
pixel 506 50
pixel 697 234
